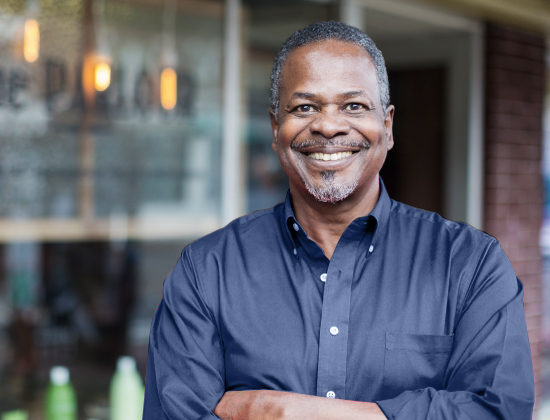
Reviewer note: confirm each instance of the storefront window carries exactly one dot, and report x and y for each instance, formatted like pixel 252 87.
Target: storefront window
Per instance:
pixel 110 139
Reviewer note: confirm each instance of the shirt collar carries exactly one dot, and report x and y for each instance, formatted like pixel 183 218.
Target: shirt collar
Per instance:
pixel 380 213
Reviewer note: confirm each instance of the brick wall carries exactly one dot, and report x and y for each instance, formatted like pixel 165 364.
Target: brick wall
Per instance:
pixel 515 88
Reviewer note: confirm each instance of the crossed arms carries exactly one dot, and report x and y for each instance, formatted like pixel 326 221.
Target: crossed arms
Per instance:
pixel 277 405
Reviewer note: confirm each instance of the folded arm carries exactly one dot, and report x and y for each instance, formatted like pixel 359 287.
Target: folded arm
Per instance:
pixel 278 405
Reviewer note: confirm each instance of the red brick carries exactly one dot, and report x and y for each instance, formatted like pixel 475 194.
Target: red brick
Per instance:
pixel 496 33
pixel 506 62
pixel 512 136
pixel 511 107
pixel 532 310
pixel 532 294
pixel 496 212
pixel 498 180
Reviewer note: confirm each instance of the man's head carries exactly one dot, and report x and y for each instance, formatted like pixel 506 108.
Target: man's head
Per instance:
pixel 333 126
pixel 323 31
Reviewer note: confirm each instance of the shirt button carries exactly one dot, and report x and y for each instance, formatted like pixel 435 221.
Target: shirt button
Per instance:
pixel 324 277
pixel 295 251
pixel 334 330
pixel 331 394
pixel 371 248
pixel 296 227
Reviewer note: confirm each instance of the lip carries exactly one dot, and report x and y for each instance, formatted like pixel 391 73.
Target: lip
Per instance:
pixel 328 164
pixel 329 149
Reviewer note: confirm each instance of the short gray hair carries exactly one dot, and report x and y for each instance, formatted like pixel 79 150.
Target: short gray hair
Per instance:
pixel 323 31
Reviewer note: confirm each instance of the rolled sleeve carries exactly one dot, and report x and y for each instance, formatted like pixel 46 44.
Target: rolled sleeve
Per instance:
pixel 490 373
pixel 185 368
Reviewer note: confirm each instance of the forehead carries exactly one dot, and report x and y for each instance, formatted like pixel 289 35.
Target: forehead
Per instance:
pixel 329 64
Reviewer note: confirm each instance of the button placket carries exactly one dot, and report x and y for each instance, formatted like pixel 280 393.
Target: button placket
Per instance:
pixel 331 373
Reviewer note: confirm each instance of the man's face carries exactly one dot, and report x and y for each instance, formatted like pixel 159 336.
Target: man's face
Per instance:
pixel 331 135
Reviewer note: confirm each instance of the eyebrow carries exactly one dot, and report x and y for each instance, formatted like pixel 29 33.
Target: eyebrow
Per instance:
pixel 302 95
pixel 354 94
pixel 307 95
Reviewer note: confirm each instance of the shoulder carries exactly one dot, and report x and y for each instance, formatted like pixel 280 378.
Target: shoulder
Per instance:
pixel 207 259
pixel 472 257
pixel 436 227
pixel 457 245
pixel 249 229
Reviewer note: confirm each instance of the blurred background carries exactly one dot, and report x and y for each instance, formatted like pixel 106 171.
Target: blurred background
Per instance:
pixel 129 128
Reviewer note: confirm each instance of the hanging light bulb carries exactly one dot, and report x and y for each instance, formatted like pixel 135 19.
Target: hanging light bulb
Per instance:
pixel 168 88
pixel 102 68
pixel 102 76
pixel 31 41
pixel 169 58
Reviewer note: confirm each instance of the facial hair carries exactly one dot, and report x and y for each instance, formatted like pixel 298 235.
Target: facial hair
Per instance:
pixel 330 190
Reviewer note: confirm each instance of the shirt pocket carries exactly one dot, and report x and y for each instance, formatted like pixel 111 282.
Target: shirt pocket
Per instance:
pixel 415 361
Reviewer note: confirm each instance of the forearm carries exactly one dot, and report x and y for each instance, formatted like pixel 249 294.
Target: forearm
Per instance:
pixel 277 405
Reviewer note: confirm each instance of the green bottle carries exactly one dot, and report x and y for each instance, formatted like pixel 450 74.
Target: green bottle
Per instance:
pixel 60 396
pixel 126 391
pixel 15 415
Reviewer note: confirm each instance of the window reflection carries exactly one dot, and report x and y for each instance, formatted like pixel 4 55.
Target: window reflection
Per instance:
pixel 107 170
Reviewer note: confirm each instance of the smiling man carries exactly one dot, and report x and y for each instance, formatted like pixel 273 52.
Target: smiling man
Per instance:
pixel 339 303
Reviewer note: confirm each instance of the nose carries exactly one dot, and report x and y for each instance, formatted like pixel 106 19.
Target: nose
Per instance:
pixel 329 124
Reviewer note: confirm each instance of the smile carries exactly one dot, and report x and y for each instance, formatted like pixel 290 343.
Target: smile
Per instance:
pixel 331 156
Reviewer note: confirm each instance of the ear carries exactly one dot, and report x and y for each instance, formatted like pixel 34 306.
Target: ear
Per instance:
pixel 388 123
pixel 274 128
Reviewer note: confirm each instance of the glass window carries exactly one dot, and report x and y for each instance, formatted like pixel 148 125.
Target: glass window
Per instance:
pixel 110 139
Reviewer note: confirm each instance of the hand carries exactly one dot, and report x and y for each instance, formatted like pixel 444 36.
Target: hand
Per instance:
pixel 278 405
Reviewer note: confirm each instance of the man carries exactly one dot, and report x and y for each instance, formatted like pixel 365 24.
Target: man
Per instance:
pixel 339 303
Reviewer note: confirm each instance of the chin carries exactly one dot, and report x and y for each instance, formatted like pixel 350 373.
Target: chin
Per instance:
pixel 331 192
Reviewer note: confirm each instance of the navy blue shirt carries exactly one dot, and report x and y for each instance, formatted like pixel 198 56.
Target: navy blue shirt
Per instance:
pixel 419 314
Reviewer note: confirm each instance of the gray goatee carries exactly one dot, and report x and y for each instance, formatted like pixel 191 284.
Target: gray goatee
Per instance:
pixel 330 191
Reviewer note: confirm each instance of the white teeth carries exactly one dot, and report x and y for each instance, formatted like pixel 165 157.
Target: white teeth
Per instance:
pixel 332 156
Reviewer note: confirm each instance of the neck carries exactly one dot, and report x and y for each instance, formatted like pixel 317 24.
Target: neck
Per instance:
pixel 326 222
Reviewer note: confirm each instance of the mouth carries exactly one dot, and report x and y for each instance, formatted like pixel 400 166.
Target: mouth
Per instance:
pixel 331 153
pixel 330 156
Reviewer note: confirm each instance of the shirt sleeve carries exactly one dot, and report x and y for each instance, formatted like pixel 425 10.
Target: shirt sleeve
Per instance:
pixel 489 375
pixel 185 368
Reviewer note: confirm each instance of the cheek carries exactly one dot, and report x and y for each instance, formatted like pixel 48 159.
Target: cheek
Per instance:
pixel 373 129
pixel 291 130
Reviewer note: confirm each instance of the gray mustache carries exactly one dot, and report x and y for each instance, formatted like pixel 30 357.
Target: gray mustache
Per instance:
pixel 325 143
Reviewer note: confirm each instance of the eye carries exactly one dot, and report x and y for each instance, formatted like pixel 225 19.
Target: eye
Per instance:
pixel 354 107
pixel 304 108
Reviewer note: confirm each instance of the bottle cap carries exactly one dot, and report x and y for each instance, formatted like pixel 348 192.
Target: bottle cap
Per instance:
pixel 126 364
pixel 59 375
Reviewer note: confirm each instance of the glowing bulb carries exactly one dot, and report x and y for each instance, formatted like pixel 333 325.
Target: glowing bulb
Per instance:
pixel 31 41
pixel 102 78
pixel 168 88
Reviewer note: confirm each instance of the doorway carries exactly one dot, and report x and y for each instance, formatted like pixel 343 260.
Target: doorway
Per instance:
pixel 413 171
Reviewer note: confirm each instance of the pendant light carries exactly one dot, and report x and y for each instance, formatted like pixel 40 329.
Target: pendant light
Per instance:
pixel 168 76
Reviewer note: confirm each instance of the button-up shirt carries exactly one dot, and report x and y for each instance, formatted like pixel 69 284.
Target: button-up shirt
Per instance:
pixel 419 314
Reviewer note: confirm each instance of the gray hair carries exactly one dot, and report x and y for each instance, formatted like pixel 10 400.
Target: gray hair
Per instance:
pixel 323 31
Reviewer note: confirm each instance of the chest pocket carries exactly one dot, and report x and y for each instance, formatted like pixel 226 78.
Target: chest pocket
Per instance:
pixel 415 361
